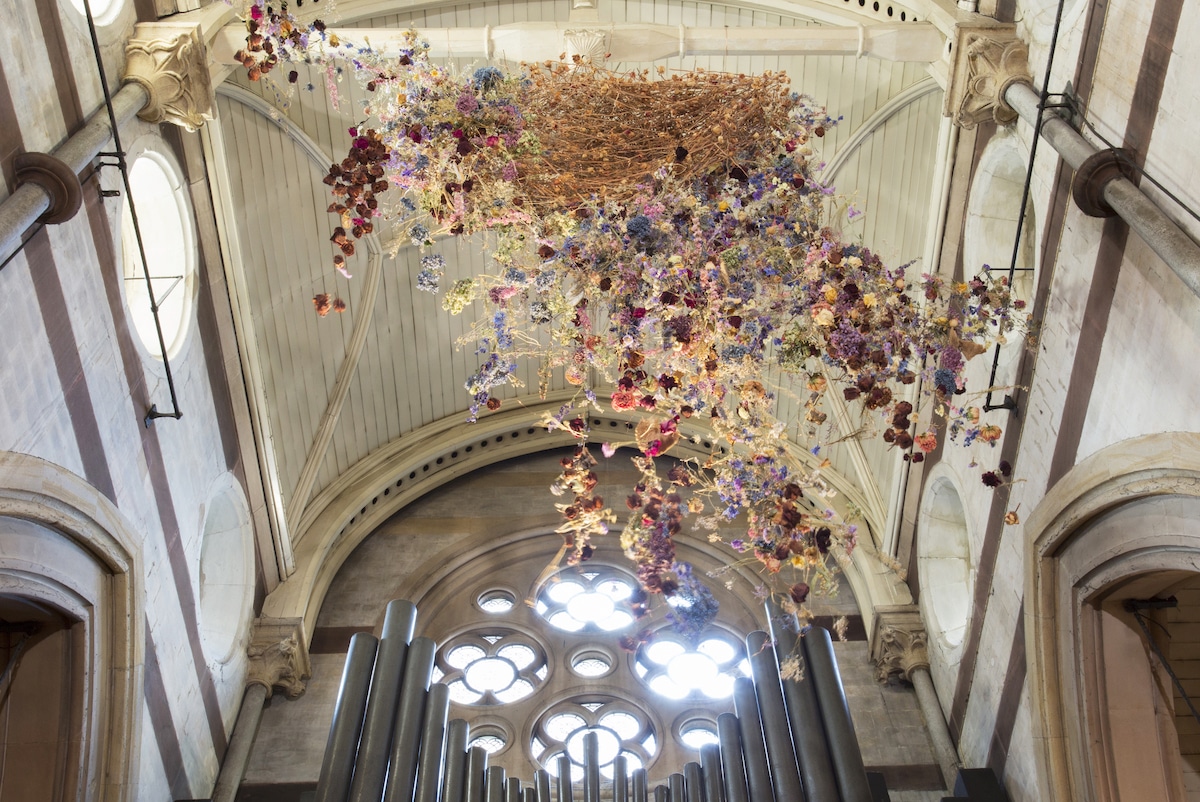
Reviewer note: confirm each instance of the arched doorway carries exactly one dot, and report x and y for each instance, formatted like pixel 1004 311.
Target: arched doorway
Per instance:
pixel 1118 536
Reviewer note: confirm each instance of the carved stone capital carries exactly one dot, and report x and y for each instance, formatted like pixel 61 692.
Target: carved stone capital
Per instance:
pixel 898 643
pixel 987 62
pixel 278 653
pixel 171 62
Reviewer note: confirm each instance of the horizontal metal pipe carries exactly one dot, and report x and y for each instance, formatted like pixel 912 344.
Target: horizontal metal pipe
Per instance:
pixel 455 771
pixel 1162 234
pixel 835 715
pixel 433 743
pixel 337 767
pixel 370 768
pixel 20 210
pixel 733 768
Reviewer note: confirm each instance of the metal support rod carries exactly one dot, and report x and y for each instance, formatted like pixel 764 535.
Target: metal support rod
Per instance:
pixel 638 781
pixel 406 741
pixel 710 767
pixel 620 779
pixel 835 715
pixel 591 767
pixel 477 765
pixel 337 767
pixel 800 697
pixel 675 787
pixel 237 756
pixel 693 782
pixel 370 768
pixel 1158 231
pixel 785 774
pixel 564 778
pixel 495 784
pixel 455 774
pixel 754 749
pixel 935 724
pixel 733 769
pixel 433 743
pixel 541 784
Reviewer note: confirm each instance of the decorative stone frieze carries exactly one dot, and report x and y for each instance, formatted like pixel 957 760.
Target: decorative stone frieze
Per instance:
pixel 987 61
pixel 278 653
pixel 171 62
pixel 898 643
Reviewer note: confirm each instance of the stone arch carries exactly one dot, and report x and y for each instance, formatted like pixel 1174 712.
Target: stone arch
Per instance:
pixel 1123 524
pixel 65 549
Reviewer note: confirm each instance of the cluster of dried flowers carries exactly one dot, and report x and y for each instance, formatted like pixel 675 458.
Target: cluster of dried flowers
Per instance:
pixel 685 265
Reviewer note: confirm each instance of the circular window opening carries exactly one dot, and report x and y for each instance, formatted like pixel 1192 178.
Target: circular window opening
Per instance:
pixel 104 12
pixel 490 739
pixel 591 664
pixel 168 240
pixel 944 563
pixel 497 601
pixel 696 734
pixel 575 600
pixel 676 669
pixel 226 558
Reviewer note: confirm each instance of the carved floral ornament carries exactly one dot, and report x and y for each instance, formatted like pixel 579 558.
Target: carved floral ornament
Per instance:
pixel 170 61
pixel 988 62
pixel 279 656
pixel 899 644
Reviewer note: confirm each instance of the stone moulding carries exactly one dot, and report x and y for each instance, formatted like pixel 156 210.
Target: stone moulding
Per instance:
pixel 171 62
pixel 986 62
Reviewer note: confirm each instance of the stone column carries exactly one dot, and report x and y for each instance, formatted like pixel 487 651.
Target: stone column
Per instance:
pixel 278 655
pixel 991 80
pixel 898 647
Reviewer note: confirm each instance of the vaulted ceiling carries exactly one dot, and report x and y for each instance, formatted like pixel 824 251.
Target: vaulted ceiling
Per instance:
pixel 340 399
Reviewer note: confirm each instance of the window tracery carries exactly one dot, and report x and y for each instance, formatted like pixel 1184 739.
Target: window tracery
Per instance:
pixel 491 666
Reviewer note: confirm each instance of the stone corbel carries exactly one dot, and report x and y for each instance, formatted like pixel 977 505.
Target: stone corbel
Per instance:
pixel 589 44
pixel 171 61
pixel 898 644
pixel 278 653
pixel 987 61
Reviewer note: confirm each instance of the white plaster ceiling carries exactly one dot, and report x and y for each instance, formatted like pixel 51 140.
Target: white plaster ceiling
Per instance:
pixel 332 391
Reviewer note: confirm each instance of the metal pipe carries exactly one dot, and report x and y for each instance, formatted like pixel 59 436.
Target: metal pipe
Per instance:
pixel 564 778
pixel 800 697
pixel 1158 231
pixel 733 769
pixel 835 715
pixel 495 784
pixel 337 767
pixel 541 784
pixel 639 785
pixel 514 790
pixel 710 767
pixel 406 741
pixel 675 786
pixel 661 794
pixel 591 767
pixel 237 756
pixel 754 749
pixel 477 765
pixel 620 779
pixel 935 723
pixel 433 743
pixel 785 773
pixel 370 768
pixel 454 775
pixel 693 782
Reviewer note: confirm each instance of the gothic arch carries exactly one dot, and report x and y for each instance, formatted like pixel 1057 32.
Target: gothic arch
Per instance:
pixel 1122 524
pixel 65 547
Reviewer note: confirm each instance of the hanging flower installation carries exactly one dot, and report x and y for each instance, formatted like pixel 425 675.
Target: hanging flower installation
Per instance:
pixel 663 238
